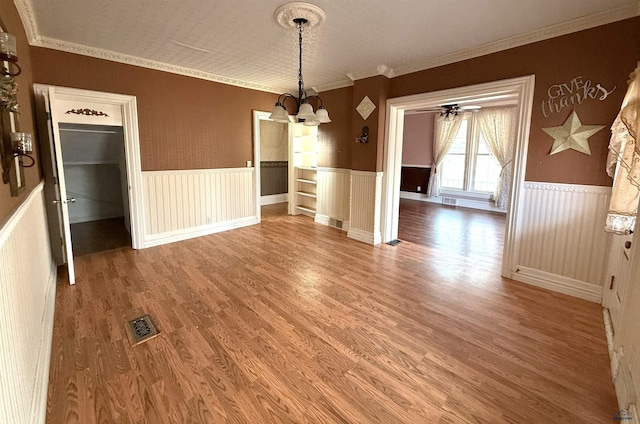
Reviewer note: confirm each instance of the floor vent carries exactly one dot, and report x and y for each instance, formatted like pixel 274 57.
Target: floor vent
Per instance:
pixel 142 329
pixel 394 242
pixel 449 201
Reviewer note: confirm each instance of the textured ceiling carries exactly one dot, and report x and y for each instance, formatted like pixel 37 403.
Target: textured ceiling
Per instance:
pixel 240 42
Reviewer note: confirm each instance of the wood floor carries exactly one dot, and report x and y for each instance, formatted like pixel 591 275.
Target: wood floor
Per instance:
pixel 98 236
pixel 292 322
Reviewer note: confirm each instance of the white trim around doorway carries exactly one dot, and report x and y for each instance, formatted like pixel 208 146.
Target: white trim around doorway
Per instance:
pixel 129 110
pixel 522 88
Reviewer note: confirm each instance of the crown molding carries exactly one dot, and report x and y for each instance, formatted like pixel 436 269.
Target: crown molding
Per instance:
pixel 618 14
pixel 372 72
pixel 25 10
pixel 624 12
pixel 80 49
pixel 333 86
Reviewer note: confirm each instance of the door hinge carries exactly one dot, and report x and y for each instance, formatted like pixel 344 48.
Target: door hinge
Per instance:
pixel 613 279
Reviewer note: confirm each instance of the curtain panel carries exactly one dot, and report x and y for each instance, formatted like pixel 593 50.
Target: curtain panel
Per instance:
pixel 497 128
pixel 623 162
pixel 446 129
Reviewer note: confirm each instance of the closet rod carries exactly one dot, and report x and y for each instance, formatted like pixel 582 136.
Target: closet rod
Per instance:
pixel 90 131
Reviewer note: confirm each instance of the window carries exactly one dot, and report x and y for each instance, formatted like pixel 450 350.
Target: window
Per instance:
pixel 469 165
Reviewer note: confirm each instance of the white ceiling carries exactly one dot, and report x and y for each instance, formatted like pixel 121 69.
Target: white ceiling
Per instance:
pixel 239 41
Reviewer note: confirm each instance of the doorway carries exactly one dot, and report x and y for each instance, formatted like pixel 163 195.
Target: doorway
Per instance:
pixel 95 171
pixel 68 116
pixel 520 88
pixel 271 146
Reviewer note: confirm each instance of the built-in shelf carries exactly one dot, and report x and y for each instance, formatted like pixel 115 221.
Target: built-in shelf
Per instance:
pixel 306 209
pixel 302 180
pixel 306 193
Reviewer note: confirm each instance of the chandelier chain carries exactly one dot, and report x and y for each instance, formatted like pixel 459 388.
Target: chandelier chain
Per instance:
pixel 300 81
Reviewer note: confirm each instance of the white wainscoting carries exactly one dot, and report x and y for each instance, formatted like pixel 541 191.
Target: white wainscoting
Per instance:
pixel 27 300
pixel 562 244
pixel 333 191
pixel 191 203
pixel 366 192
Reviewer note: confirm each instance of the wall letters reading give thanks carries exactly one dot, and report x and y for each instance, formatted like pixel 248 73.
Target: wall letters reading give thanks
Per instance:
pixel 570 93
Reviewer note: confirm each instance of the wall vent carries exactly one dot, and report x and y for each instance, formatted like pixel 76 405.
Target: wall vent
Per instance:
pixel 449 201
pixel 336 223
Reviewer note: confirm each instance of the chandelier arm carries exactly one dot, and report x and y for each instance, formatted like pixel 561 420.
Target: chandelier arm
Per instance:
pixel 315 96
pixel 284 96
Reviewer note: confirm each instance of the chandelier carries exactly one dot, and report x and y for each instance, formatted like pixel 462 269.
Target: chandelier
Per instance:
pixel 301 15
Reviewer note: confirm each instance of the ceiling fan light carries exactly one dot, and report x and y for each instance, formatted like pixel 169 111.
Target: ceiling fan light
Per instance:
pixel 306 112
pixel 322 115
pixel 279 114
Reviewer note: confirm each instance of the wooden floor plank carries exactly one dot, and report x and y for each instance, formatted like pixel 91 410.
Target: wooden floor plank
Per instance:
pixel 290 321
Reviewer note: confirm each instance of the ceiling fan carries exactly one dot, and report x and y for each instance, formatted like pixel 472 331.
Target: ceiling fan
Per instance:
pixel 450 109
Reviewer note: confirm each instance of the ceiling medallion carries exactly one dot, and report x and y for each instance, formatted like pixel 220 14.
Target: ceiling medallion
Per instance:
pixel 312 14
pixel 300 15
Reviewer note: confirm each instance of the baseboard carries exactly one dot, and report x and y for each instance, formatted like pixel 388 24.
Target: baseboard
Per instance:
pixel 608 331
pixel 204 230
pixel 322 219
pixel 274 198
pixel 622 378
pixel 623 384
pixel 461 202
pixel 365 236
pixel 39 403
pixel 558 283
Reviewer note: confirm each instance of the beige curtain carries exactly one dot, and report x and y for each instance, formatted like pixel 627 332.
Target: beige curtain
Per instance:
pixel 623 162
pixel 446 129
pixel 497 127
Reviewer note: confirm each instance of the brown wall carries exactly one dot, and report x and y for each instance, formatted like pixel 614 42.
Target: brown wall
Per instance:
pixel 604 55
pixel 369 156
pixel 185 123
pixel 13 25
pixel 335 139
pixel 189 123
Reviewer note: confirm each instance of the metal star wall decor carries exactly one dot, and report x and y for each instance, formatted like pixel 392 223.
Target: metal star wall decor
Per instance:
pixel 572 135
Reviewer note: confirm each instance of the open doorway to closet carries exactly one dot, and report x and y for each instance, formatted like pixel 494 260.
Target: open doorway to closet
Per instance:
pixel 95 170
pixel 93 137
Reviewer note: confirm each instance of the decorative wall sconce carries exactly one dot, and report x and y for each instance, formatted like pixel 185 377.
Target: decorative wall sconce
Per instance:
pixel 19 145
pixel 364 137
pixel 14 145
pixel 9 54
